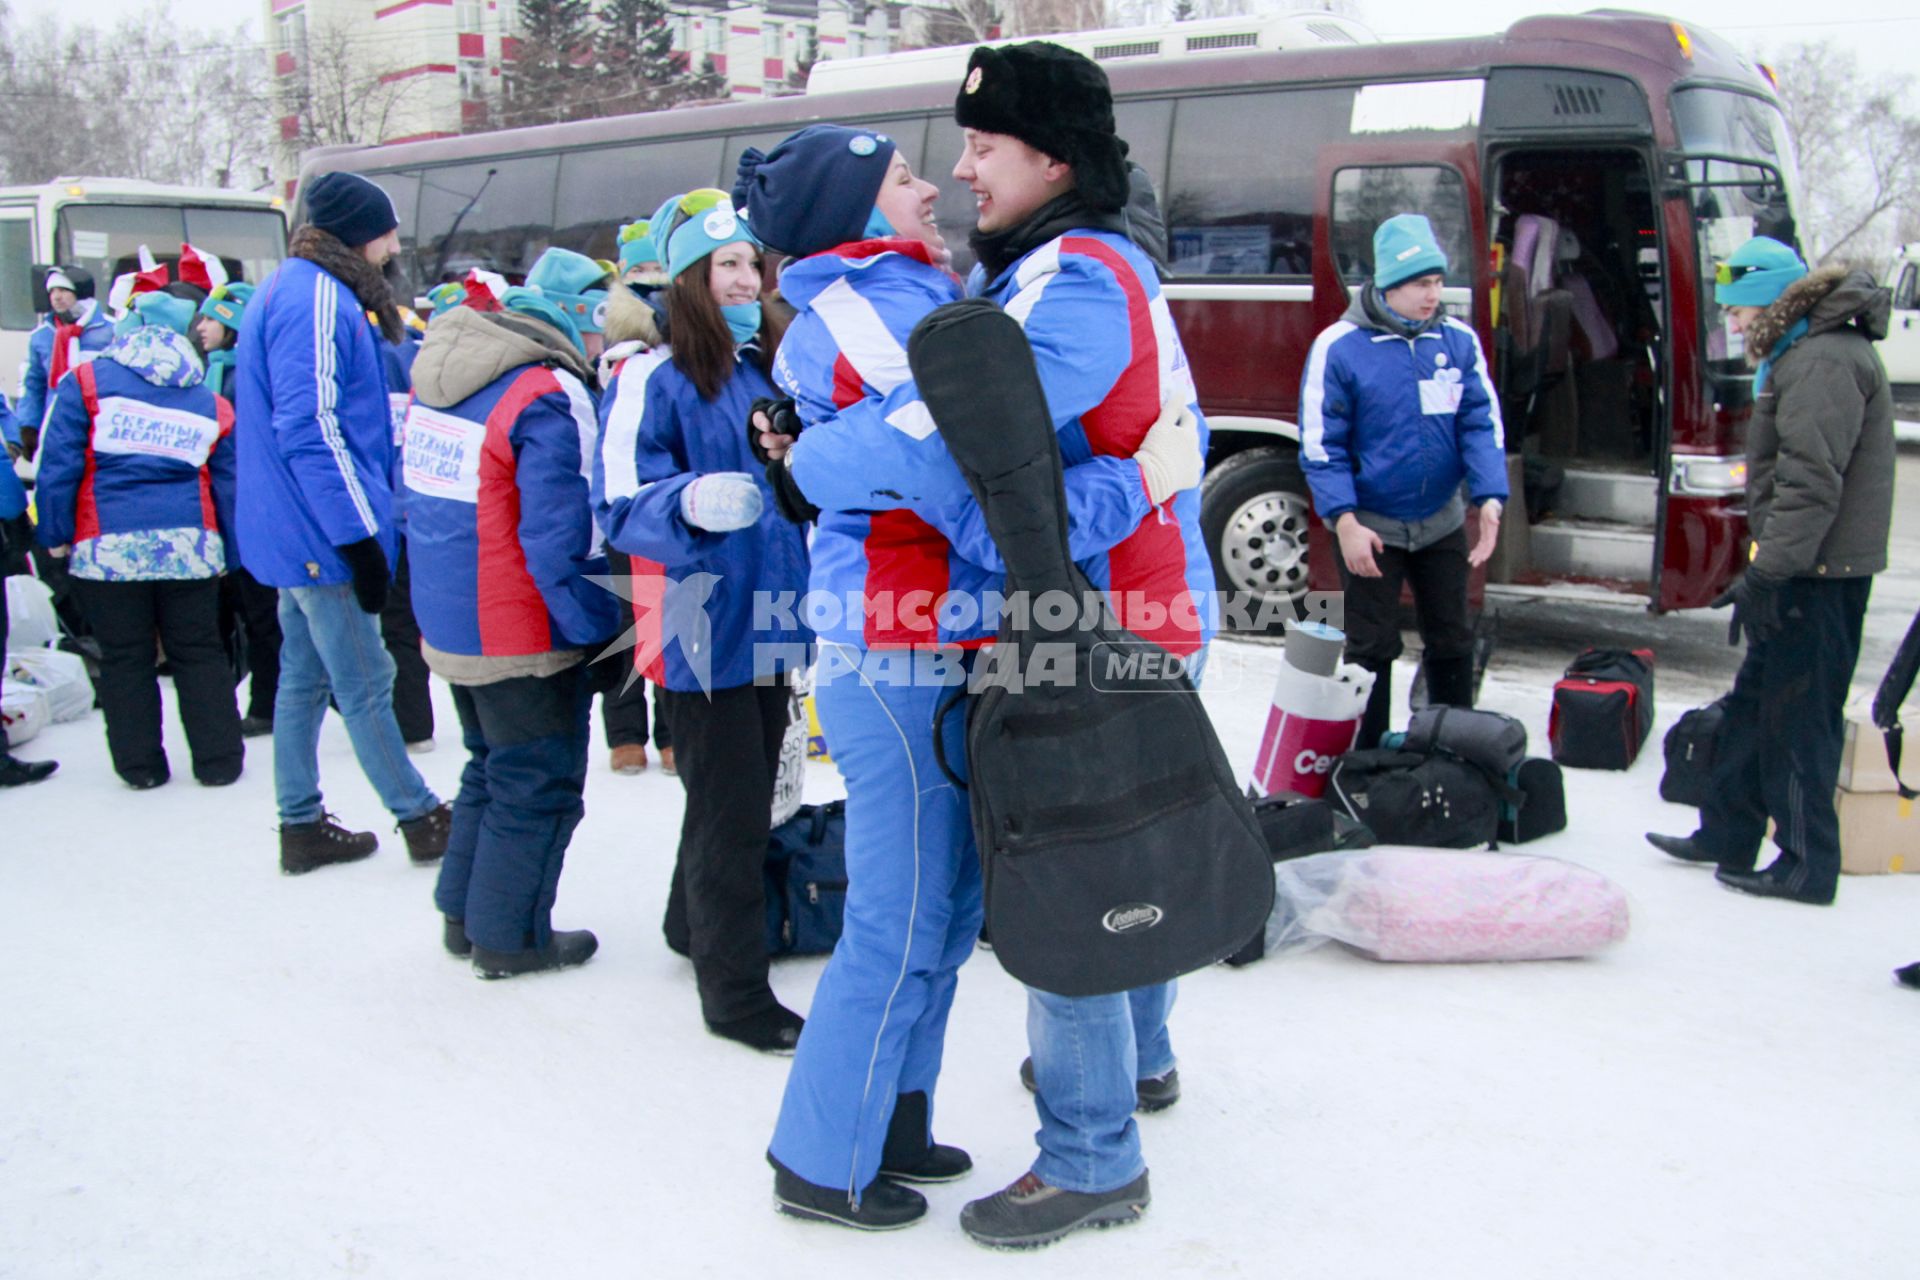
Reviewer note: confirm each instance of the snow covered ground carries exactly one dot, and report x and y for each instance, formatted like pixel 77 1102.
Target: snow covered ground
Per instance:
pixel 208 1070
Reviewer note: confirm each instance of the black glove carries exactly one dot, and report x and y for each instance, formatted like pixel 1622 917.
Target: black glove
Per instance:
pixel 793 504
pixel 371 574
pixel 784 416
pixel 1756 606
pixel 29 442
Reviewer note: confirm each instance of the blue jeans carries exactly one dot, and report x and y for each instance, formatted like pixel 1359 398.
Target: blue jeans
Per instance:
pixel 878 1023
pixel 331 646
pixel 1089 1052
pixel 519 801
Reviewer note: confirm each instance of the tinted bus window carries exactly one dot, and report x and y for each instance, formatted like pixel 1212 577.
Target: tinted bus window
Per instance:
pixel 1366 197
pixel 97 236
pixel 1235 209
pixel 497 216
pixel 601 189
pixel 256 237
pixel 1145 123
pixel 16 274
pixel 404 190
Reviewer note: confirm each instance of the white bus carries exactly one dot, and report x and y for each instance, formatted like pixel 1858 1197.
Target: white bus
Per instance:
pixel 100 224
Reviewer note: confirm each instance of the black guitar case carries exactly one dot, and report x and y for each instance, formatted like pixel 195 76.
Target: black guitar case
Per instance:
pixel 1116 846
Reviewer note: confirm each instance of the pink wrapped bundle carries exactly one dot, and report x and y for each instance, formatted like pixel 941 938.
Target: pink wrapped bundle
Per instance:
pixel 1443 906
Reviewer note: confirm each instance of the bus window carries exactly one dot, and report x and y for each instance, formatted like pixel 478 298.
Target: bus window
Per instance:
pixel 16 274
pixel 1363 198
pixel 1146 123
pixel 256 237
pixel 96 236
pixel 603 188
pixel 1732 203
pixel 403 188
pixel 1236 210
pixel 496 215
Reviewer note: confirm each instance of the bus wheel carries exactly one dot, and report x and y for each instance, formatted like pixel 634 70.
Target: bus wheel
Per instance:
pixel 1254 513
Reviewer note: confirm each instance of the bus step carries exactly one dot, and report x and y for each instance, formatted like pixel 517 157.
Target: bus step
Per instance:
pixel 1563 547
pixel 1622 496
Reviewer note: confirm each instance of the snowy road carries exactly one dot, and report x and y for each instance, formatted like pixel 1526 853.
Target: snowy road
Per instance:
pixel 209 1071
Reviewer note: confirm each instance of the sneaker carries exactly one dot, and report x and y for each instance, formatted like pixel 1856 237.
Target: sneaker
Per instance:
pixel 629 759
pixel 427 834
pixel 1681 847
pixel 667 766
pixel 775 1030
pixel 256 726
pixel 306 846
pixel 21 773
pixel 453 936
pixel 573 947
pixel 910 1155
pixel 1155 1093
pixel 1030 1213
pixel 883 1205
pixel 420 747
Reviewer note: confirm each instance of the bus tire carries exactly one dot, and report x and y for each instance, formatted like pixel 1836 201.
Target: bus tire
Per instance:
pixel 1255 514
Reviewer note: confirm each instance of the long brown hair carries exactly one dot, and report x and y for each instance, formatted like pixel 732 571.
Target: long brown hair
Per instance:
pixel 702 343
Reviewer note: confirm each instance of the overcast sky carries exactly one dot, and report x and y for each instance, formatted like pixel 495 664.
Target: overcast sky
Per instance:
pixel 1883 32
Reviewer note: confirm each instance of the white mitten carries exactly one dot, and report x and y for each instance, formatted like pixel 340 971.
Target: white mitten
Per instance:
pixel 721 502
pixel 1169 456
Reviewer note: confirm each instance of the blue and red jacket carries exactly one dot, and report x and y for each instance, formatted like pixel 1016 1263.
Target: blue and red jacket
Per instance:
pixel 121 454
pixel 500 534
pixel 695 590
pixel 47 364
pixel 1108 358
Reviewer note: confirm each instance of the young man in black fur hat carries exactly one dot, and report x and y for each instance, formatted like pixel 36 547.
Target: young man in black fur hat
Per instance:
pixel 1050 179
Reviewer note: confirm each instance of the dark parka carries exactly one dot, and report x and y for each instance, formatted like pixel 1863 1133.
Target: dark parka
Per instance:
pixel 1820 444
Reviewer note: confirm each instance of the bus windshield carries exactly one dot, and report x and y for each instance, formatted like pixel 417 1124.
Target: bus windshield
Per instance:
pixel 1740 170
pixel 100 236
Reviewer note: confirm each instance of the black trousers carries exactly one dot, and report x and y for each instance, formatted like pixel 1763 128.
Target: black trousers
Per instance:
pixel 728 752
pixel 1438 575
pixel 624 713
pixel 412 699
pixel 125 616
pixel 254 610
pixel 1778 755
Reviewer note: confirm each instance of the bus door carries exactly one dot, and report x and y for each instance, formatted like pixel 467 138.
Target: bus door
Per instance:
pixel 17 314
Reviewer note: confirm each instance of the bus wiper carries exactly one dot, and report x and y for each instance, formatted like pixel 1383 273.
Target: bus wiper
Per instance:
pixel 440 263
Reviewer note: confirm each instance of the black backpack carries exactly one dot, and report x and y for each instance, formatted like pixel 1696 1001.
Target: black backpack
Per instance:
pixel 806 881
pixel 1603 709
pixel 1689 751
pixel 1417 798
pixel 1116 848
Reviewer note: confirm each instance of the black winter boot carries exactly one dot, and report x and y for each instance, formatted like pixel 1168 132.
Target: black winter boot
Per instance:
pixel 884 1205
pixel 427 834
pixel 911 1154
pixel 1450 681
pixel 307 845
pixel 453 936
pixel 573 947
pixel 775 1030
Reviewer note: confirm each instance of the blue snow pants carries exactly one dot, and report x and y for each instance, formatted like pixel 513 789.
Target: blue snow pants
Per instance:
pixel 878 1021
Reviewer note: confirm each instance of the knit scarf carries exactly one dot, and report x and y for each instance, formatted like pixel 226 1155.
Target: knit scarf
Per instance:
pixel 1794 333
pixel 325 251
pixel 1068 211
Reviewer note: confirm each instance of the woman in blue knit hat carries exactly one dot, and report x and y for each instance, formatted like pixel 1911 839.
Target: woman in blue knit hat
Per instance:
pixel 676 489
pixel 1820 463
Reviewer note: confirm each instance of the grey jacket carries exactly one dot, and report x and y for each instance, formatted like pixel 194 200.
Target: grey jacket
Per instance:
pixel 1820 444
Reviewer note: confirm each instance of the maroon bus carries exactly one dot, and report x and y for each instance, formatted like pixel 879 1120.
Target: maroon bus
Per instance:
pixel 1583 172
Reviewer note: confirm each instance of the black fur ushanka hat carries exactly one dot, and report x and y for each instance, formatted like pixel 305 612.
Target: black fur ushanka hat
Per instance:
pixel 1054 100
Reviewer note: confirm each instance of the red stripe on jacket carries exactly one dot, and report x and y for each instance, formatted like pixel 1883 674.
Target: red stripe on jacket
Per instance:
pixel 86 514
pixel 209 514
pixel 1150 564
pixel 648 579
pixel 513 614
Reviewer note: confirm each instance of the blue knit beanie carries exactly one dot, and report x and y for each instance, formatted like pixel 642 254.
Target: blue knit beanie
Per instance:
pixel 1756 273
pixel 636 245
pixel 691 226
pixel 531 302
pixel 351 209
pixel 228 303
pixel 575 283
pixel 1404 248
pixel 816 189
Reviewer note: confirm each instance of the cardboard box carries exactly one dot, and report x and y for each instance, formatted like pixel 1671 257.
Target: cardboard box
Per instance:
pixel 1879 832
pixel 1863 756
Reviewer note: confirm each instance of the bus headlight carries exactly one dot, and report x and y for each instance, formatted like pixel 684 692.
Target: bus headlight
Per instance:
pixel 1709 477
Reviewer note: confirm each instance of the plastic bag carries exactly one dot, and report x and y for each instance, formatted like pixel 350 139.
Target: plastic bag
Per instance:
pixel 790 781
pixel 23 711
pixel 61 676
pixel 1427 905
pixel 31 623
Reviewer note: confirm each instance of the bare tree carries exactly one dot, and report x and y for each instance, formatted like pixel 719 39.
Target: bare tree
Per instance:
pixel 1858 144
pixel 343 91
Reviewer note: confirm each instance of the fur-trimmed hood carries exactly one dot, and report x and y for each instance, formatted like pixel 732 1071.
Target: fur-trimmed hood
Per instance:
pixel 465 350
pixel 1829 298
pixel 631 318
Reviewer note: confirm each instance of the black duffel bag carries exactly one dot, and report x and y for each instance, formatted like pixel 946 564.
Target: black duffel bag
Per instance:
pixel 1418 798
pixel 1689 750
pixel 1117 850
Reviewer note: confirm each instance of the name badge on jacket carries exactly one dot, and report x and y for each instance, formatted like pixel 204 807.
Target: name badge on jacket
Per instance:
pixel 132 426
pixel 1441 392
pixel 443 454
